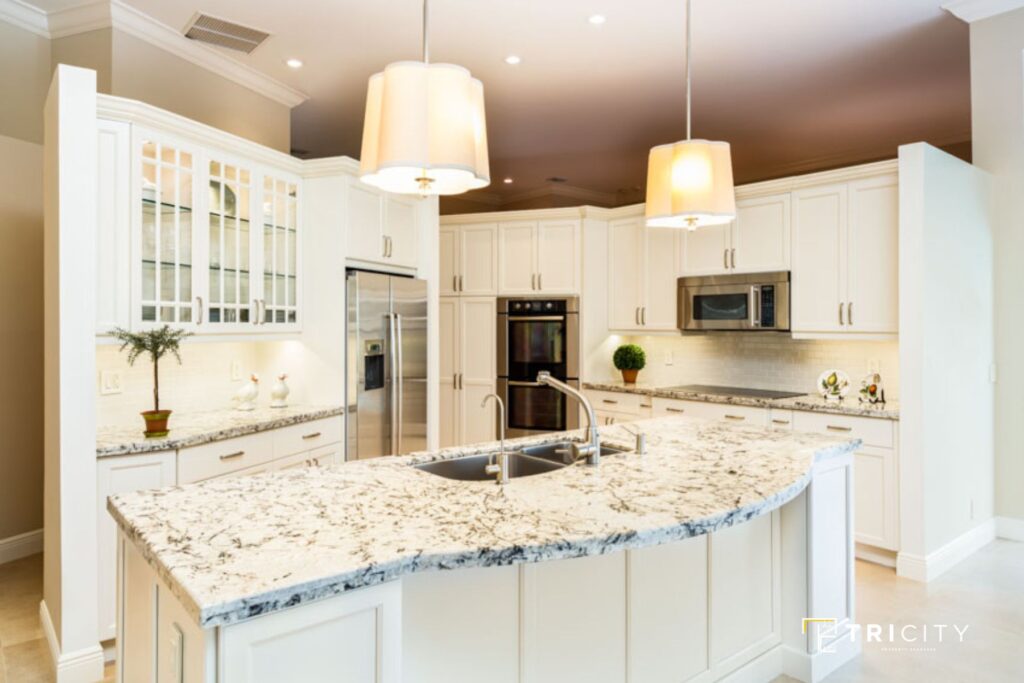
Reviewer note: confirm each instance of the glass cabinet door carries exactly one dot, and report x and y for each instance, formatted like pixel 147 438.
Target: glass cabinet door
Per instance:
pixel 229 246
pixel 166 245
pixel 280 252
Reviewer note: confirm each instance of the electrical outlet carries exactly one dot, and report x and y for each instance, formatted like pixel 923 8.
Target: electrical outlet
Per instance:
pixel 110 382
pixel 236 370
pixel 668 358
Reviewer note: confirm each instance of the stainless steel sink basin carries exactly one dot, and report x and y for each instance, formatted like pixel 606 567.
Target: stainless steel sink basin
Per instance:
pixel 471 468
pixel 561 452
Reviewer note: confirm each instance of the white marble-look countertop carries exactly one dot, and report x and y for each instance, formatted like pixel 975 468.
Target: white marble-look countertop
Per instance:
pixel 811 403
pixel 193 429
pixel 232 549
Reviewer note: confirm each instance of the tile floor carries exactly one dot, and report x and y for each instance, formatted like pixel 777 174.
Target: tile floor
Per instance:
pixel 985 593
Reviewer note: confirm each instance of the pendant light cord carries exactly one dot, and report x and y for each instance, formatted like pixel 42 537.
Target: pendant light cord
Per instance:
pixel 688 34
pixel 426 32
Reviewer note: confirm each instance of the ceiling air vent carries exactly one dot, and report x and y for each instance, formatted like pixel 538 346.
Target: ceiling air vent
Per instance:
pixel 214 31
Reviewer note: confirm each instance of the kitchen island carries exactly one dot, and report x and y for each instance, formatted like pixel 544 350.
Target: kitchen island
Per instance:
pixel 697 560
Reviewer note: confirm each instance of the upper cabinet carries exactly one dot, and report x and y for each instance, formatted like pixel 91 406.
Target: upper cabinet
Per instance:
pixel 469 259
pixel 643 264
pixel 539 256
pixel 757 241
pixel 382 229
pixel 845 258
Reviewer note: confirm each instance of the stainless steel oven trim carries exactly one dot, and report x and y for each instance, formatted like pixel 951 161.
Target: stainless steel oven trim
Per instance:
pixel 572 331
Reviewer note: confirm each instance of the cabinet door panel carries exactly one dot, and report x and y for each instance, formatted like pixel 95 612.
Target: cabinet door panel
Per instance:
pixel 448 263
pixel 363 239
pixel 875 491
pixel 400 225
pixel 231 243
pixel 819 229
pixel 558 256
pixel 873 256
pixel 705 250
pixel 479 259
pixel 281 291
pixel 113 240
pixel 448 317
pixel 660 275
pixel 625 265
pixel 478 367
pixel 760 234
pixel 517 267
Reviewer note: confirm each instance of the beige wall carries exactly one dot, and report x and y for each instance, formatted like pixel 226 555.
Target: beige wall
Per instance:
pixel 997 114
pixel 91 50
pixel 21 355
pixel 24 77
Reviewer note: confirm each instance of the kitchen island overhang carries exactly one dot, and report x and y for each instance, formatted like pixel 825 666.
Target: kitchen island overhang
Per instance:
pixel 249 551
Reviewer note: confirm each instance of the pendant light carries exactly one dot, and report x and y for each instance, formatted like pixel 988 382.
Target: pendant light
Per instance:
pixel 424 131
pixel 689 183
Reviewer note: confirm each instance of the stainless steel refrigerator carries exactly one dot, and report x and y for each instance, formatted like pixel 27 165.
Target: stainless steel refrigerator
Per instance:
pixel 386 374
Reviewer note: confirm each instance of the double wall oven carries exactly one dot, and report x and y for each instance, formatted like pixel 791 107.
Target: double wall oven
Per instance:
pixel 536 335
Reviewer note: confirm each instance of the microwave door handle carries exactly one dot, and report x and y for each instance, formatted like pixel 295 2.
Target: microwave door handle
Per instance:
pixel 755 306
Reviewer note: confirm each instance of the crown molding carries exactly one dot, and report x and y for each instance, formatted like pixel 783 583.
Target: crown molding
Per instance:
pixel 116 14
pixel 330 166
pixel 24 16
pixel 976 10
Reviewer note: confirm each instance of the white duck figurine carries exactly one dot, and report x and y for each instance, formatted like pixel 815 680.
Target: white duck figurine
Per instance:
pixel 279 392
pixel 245 398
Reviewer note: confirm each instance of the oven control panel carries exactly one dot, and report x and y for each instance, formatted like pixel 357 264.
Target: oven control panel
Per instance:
pixel 537 307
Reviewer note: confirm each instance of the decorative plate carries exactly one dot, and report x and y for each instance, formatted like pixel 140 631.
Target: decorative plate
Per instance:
pixel 833 384
pixel 871 390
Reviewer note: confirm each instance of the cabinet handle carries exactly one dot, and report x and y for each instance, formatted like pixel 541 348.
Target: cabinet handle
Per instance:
pixel 836 428
pixel 540 281
pixel 643 315
pixel 256 312
pixel 311 436
pixel 263 311
pixel 644 405
pixel 391 247
pixel 199 318
pixel 455 283
pixel 840 312
pixel 735 417
pixel 732 257
pixel 725 258
pixel 608 400
pixel 636 315
pixel 849 312
pixel 462 286
pixel 384 246
pixel 670 409
pixel 780 422
pixel 232 456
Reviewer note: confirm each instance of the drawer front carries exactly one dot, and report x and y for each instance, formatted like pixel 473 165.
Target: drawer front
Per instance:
pixel 872 431
pixel 780 419
pixel 615 402
pixel 711 411
pixel 224 457
pixel 661 407
pixel 306 436
pixel 610 417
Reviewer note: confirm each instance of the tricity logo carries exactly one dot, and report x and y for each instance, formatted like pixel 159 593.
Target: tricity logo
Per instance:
pixel 893 637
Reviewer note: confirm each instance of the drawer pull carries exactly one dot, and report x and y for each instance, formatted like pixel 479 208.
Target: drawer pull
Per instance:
pixel 311 436
pixel 780 422
pixel 669 409
pixel 608 400
pixel 232 456
pixel 834 428
pixel 644 405
pixel 735 417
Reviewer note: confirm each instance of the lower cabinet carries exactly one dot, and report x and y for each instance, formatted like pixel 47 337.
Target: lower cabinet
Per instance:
pixel 468 369
pixel 311 444
pixel 757 417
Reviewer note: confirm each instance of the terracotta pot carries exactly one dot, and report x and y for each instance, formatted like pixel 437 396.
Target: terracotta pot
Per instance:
pixel 156 423
pixel 629 376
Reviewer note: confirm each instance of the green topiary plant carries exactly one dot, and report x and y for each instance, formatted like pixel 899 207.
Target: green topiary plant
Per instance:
pixel 156 343
pixel 629 359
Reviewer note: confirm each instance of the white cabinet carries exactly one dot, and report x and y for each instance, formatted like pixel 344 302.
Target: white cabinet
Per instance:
pixel 113 239
pixel 469 259
pixel 381 229
pixel 757 241
pixel 468 369
pixel 539 256
pixel 643 264
pixel 845 251
pixel 748 415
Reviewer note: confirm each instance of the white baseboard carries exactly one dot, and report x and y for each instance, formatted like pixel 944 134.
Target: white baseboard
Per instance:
pixel 81 666
pixel 934 564
pixel 22 545
pixel 1010 528
pixel 813 668
pixel 869 553
pixel 765 667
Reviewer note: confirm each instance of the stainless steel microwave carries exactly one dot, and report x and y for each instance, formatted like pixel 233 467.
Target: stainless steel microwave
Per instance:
pixel 754 301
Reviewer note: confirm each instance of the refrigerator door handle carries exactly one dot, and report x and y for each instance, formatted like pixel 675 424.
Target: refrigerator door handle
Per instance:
pixel 394 383
pixel 399 383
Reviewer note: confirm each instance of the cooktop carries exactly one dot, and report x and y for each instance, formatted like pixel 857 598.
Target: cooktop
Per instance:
pixel 735 391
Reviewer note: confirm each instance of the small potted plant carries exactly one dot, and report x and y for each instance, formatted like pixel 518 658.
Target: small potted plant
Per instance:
pixel 157 343
pixel 629 359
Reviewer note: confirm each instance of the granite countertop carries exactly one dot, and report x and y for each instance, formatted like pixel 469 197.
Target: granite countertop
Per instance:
pixel 811 403
pixel 193 429
pixel 231 549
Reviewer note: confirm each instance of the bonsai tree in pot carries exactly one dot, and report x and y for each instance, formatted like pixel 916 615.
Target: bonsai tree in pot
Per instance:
pixel 629 359
pixel 156 343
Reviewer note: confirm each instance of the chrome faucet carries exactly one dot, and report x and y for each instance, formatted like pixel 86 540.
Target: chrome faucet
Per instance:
pixel 591 447
pixel 501 467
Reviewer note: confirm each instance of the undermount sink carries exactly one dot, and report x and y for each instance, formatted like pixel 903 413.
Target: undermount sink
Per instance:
pixel 561 452
pixel 471 468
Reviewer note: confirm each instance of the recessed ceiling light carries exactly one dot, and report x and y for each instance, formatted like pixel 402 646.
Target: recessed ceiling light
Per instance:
pixel 512 59
pixel 508 181
pixel 596 19
pixel 294 63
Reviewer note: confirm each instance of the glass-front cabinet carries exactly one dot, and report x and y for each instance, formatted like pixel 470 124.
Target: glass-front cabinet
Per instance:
pixel 215 241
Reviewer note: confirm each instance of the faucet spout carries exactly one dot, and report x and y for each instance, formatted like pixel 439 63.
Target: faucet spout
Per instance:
pixel 501 467
pixel 591 448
